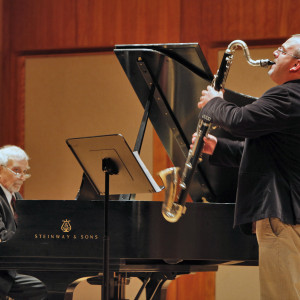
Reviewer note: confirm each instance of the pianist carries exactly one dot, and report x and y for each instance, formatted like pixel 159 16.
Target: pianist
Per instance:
pixel 268 191
pixel 13 172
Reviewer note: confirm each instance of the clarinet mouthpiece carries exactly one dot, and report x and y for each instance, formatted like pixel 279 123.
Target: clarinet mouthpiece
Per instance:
pixel 266 62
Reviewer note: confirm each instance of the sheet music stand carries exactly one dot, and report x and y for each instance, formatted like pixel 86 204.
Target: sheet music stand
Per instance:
pixel 117 159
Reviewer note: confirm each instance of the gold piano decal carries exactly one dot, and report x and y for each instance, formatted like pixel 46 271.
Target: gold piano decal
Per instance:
pixel 65 228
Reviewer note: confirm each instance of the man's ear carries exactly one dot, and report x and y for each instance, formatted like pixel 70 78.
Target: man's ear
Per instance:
pixel 296 66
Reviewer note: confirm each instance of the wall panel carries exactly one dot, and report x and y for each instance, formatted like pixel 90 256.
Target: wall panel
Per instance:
pixel 42 24
pixel 74 25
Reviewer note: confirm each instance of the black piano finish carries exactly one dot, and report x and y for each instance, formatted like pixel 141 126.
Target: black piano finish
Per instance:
pixel 141 240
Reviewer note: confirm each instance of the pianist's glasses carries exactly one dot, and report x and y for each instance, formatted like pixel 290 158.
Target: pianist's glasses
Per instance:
pixel 18 174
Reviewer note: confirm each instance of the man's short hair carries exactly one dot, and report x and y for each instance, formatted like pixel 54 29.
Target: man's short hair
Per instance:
pixel 297 51
pixel 10 152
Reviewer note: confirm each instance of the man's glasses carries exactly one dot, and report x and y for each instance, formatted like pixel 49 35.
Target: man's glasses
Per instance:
pixel 280 49
pixel 18 174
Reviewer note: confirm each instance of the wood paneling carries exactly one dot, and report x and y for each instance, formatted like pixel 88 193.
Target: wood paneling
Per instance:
pixel 218 22
pixel 42 24
pixel 227 20
pixel 55 24
pixel 80 25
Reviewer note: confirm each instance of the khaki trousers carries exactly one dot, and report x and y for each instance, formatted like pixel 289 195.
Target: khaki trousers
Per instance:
pixel 279 259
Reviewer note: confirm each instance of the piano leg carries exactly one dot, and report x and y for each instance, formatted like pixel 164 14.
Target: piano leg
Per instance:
pixel 164 290
pixel 153 289
pixel 145 282
pixel 153 282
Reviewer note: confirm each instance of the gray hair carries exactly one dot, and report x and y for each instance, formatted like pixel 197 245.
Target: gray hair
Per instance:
pixel 10 152
pixel 297 51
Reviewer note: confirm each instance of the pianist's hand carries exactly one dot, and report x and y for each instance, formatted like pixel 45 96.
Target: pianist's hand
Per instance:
pixel 210 143
pixel 209 94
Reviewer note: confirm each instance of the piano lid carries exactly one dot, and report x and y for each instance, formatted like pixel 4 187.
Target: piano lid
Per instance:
pixel 172 76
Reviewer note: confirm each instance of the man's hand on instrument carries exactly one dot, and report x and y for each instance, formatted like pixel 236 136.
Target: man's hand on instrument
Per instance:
pixel 209 94
pixel 210 142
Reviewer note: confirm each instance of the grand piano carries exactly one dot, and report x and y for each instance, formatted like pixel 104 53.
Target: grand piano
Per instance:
pixel 62 241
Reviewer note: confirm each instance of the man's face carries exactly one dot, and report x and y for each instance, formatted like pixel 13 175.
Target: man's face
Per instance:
pixel 281 71
pixel 8 179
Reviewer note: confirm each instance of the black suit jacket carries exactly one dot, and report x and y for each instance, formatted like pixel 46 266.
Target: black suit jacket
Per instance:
pixel 269 159
pixel 8 225
pixel 8 228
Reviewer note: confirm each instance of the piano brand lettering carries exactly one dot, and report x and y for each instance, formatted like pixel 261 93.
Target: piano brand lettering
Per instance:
pixel 65 228
pixel 43 236
pixel 89 237
pixel 54 236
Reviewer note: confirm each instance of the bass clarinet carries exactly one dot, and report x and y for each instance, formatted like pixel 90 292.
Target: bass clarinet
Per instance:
pixel 175 196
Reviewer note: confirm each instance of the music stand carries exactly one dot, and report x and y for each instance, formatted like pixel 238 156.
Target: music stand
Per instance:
pixel 117 159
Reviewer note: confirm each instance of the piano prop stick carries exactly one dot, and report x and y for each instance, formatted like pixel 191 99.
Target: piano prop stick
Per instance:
pixel 117 159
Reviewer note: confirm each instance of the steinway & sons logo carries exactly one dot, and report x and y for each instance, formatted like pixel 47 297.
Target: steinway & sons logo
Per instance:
pixel 66 228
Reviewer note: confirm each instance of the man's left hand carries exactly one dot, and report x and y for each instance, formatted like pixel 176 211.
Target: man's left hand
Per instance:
pixel 209 94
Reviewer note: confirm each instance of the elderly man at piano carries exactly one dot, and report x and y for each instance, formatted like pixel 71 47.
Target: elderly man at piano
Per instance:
pixel 13 172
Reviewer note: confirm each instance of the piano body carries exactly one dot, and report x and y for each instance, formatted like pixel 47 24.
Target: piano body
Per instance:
pixel 61 241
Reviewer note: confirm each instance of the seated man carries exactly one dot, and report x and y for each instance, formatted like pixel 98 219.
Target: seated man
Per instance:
pixel 13 172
